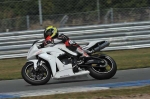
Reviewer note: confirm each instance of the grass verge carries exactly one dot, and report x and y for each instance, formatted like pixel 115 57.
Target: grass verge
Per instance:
pixel 125 59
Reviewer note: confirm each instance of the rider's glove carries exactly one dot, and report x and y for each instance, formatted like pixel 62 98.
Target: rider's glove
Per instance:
pixel 41 45
pixel 44 43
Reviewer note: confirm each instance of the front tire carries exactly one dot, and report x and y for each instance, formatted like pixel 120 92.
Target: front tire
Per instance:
pixel 102 72
pixel 39 77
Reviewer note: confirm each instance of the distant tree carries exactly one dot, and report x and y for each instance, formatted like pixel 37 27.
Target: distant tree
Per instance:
pixel 125 3
pixel 9 9
pixel 73 6
pixel 47 7
pixel 14 8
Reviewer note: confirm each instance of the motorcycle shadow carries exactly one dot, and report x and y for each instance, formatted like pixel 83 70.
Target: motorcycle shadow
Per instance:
pixel 76 81
pixel 70 81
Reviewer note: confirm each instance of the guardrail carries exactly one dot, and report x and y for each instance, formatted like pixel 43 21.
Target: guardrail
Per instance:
pixel 121 36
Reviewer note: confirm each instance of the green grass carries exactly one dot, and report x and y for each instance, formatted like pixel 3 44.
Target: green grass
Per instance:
pixel 102 94
pixel 129 59
pixel 11 68
pixel 125 59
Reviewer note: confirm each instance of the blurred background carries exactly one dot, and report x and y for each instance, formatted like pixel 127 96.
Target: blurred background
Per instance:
pixel 18 15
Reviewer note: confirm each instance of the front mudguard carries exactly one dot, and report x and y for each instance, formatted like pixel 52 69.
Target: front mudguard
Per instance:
pixel 34 61
pixel 47 58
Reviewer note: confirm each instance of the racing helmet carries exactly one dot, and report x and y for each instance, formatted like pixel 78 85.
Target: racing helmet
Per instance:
pixel 51 31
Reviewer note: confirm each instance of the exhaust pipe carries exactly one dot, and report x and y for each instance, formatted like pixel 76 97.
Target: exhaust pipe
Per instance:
pixel 103 45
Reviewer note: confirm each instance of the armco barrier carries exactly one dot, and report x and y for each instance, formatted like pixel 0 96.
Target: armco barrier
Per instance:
pixel 121 36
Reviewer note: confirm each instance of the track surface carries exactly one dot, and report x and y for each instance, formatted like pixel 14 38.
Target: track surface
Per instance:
pixel 121 76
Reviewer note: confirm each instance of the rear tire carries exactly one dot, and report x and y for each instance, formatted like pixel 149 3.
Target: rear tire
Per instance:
pixel 40 77
pixel 101 72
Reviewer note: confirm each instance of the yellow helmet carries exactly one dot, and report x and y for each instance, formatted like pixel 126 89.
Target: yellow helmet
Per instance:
pixel 51 31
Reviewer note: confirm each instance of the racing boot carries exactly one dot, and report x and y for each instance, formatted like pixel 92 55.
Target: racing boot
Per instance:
pixel 76 67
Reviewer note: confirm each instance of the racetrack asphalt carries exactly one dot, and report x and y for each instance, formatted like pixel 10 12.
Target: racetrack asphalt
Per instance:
pixel 132 77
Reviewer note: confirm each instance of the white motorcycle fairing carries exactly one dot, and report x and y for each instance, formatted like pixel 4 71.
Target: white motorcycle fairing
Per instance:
pixel 50 55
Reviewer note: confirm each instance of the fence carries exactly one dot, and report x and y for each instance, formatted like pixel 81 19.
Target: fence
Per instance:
pixel 17 15
pixel 121 36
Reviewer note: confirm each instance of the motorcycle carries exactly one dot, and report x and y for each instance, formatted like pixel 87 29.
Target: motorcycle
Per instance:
pixel 56 62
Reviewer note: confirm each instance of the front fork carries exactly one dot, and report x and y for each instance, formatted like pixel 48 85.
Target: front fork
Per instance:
pixel 39 63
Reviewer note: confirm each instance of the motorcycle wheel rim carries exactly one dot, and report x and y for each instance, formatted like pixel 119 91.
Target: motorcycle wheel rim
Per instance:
pixel 105 69
pixel 29 71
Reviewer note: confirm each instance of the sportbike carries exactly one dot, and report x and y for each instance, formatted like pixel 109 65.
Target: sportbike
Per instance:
pixel 56 62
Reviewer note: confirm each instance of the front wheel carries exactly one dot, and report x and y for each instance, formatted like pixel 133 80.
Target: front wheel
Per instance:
pixel 35 77
pixel 103 71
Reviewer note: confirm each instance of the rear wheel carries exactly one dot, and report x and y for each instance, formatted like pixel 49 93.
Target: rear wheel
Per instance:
pixel 39 76
pixel 103 71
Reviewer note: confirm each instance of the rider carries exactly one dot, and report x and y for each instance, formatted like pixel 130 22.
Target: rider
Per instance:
pixel 51 33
